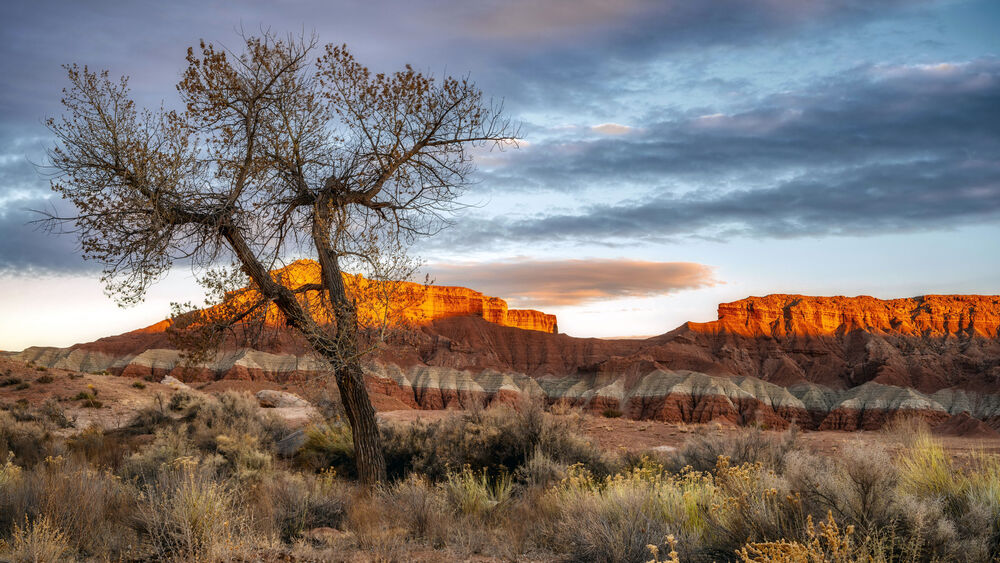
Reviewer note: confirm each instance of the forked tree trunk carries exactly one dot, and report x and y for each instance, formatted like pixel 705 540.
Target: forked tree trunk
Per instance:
pixel 350 377
pixel 341 352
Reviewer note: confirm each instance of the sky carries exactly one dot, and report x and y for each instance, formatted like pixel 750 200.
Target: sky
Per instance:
pixel 675 154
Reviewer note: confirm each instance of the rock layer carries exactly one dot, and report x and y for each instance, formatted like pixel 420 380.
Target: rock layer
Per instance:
pixel 834 363
pixel 379 302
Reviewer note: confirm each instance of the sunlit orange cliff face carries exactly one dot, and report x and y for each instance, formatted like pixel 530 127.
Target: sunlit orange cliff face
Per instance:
pixel 778 316
pixel 389 303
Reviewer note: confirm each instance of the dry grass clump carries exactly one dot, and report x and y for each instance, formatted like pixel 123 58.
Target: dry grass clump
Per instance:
pixel 298 502
pixel 37 542
pixel 28 441
pixel 92 508
pixel 188 515
pixel 498 440
pixel 702 450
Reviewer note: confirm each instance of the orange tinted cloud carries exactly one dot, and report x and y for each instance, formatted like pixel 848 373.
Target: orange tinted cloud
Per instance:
pixel 548 283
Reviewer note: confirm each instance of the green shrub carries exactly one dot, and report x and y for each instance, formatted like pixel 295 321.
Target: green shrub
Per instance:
pixel 138 385
pixel 45 379
pixel 8 381
pixel 611 412
pixel 22 386
pixel 475 493
pixel 330 444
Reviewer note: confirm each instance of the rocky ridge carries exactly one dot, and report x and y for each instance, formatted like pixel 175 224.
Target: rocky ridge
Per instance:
pixel 839 363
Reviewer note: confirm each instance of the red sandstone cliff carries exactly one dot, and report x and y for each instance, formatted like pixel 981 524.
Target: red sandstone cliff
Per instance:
pixel 392 302
pixel 927 343
pixel 779 316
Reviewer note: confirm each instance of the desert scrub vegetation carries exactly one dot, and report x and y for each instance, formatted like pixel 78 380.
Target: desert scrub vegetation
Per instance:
pixel 215 478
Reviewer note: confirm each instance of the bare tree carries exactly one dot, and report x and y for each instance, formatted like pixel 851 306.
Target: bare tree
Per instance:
pixel 276 152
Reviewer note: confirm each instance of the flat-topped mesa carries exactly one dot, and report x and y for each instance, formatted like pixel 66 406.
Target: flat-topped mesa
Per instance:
pixel 407 302
pixel 799 315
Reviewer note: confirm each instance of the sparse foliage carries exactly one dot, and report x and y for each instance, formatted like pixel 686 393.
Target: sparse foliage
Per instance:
pixel 275 152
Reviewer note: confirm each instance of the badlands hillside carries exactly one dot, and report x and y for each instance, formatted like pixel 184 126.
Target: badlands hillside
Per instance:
pixel 830 363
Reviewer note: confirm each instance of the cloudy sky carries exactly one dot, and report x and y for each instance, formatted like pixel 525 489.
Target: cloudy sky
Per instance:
pixel 676 153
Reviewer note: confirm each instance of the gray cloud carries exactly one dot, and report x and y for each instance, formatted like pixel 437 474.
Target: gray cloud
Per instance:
pixel 563 53
pixel 878 149
pixel 26 248
pixel 542 283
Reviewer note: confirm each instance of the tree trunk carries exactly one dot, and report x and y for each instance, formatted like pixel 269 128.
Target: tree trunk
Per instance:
pixel 350 377
pixel 360 413
pixel 340 352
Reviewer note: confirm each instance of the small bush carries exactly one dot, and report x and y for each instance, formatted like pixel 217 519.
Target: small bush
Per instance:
pixel 190 516
pixel 231 414
pixel 372 521
pixel 8 381
pixel 45 379
pixel 499 440
pixel 54 413
pixel 618 518
pixel 830 545
pixel 243 455
pixel 92 404
pixel 473 493
pixel 89 443
pixel 540 470
pixel 611 412
pixel 37 542
pixel 170 445
pixel 138 385
pixel 92 508
pixel 330 444
pixel 184 399
pixel 423 508
pixel 22 386
pixel 701 452
pixel 28 441
pixel 20 411
pixel 302 502
pixel 147 420
pixel 852 485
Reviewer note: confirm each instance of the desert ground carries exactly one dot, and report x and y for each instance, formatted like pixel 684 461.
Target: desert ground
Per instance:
pixel 121 399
